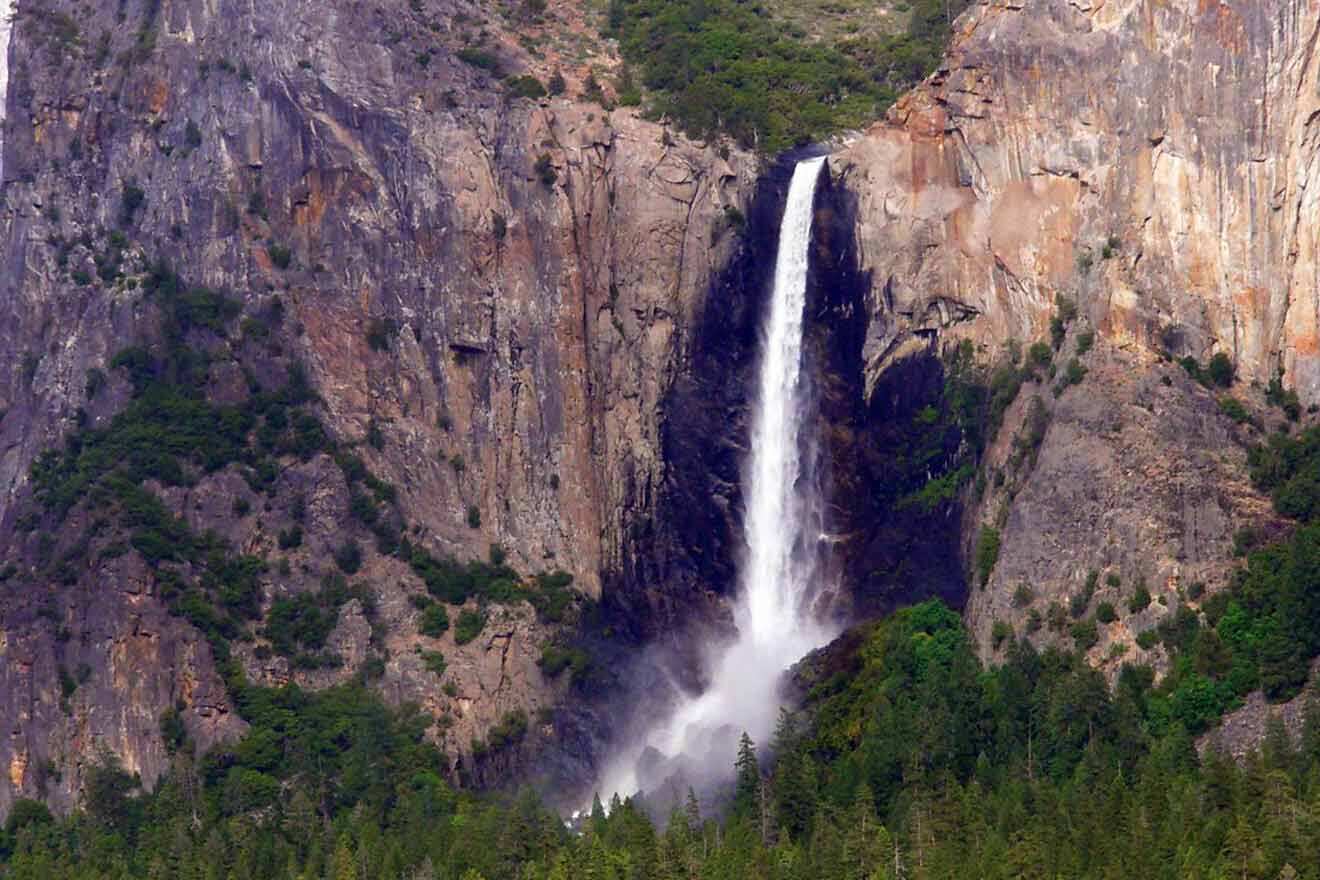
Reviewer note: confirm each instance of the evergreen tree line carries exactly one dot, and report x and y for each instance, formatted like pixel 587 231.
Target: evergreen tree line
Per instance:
pixel 909 760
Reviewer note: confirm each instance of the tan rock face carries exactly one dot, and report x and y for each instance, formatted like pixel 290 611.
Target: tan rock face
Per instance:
pixel 1155 163
pixel 1139 479
pixel 534 268
pixel 1157 160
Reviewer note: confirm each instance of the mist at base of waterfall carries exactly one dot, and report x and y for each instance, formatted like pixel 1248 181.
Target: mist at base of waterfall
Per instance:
pixel 695 744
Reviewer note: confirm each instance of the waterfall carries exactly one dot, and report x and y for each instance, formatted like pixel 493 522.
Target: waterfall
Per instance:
pixel 7 8
pixel 782 529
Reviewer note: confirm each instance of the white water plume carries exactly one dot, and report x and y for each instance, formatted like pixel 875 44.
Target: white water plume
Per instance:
pixel 782 529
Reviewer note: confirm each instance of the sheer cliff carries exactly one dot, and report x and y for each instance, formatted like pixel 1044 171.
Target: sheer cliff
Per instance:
pixel 489 296
pixel 1138 175
pixel 450 339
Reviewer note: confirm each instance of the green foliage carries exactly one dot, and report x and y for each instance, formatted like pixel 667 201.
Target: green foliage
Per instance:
pixel 298 626
pixel 1220 370
pixel 349 556
pixel 1085 634
pixel 1288 466
pixel 1105 613
pixel 1036 761
pixel 280 256
pixel 1039 355
pixel 434 620
pixel 1073 374
pixel 290 538
pixel 1233 408
pixel 1284 398
pixel 987 553
pixel 555 659
pixel 728 67
pixel 24 813
pixel 454 582
pixel 481 58
pixel 469 625
pixel 510 731
pixel 525 87
pixel 434 661
pixel 1140 598
pixel 1065 312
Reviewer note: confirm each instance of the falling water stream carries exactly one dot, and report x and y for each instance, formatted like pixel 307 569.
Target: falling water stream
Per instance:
pixel 782 529
pixel 6 28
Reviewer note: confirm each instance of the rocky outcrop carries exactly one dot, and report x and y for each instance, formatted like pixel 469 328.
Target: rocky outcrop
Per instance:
pixel 1153 163
pixel 1155 160
pixel 1133 478
pixel 500 290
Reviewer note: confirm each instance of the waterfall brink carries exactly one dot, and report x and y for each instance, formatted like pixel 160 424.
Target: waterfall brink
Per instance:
pixel 7 8
pixel 782 529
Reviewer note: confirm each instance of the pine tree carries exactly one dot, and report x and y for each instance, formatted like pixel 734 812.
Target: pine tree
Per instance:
pixel 747 785
pixel 345 866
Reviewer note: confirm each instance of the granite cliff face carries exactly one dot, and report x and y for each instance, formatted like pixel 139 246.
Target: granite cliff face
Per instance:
pixel 1154 164
pixel 1154 159
pixel 536 319
pixel 498 290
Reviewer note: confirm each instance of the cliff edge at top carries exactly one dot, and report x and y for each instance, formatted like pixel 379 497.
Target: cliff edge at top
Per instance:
pixel 1156 161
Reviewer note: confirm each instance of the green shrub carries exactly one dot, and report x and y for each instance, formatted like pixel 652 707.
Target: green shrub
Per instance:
pixel 555 659
pixel 473 516
pixel 1105 613
pixel 1147 639
pixel 1085 340
pixel 1140 598
pixel 1233 408
pixel 1073 374
pixel 298 626
pixel 987 553
pixel 1286 399
pixel 1000 632
pixel 1039 355
pixel 525 87
pixel 280 256
pixel 24 813
pixel 508 732
pixel 469 626
pixel 481 58
pixel 349 556
pixel 1085 634
pixel 728 67
pixel 1220 370
pixel 434 661
pixel 434 621
pixel 1023 596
